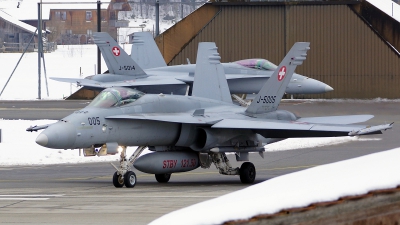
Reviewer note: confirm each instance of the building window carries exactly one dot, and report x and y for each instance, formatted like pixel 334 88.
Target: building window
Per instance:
pixel 113 16
pixel 60 15
pixel 64 16
pixel 103 16
pixel 68 31
pixel 89 32
pixel 88 15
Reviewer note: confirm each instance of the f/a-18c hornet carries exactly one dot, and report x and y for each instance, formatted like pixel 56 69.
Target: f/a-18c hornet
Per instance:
pixel 187 132
pixel 244 77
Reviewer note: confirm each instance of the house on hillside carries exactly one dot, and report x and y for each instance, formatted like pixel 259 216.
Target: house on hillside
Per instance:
pixel 75 23
pixel 69 22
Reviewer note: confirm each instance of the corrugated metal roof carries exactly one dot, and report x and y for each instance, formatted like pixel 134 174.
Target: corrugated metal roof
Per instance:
pixel 16 22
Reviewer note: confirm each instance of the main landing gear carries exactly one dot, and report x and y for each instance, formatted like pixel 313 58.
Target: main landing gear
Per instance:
pixel 247 171
pixel 123 175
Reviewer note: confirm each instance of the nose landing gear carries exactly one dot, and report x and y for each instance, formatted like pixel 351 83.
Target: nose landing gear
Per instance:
pixel 123 175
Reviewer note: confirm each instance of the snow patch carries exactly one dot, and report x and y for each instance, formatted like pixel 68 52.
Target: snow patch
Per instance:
pixel 319 184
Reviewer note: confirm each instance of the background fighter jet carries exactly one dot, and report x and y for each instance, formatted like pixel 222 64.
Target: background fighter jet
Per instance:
pixel 244 77
pixel 186 132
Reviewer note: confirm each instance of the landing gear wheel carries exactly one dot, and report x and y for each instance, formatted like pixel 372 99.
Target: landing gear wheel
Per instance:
pixel 163 178
pixel 247 173
pixel 118 180
pixel 130 179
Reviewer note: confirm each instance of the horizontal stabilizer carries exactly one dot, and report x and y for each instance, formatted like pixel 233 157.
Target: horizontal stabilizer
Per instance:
pixel 80 82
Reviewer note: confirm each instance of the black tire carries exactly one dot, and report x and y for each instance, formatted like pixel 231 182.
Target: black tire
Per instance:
pixel 247 173
pixel 163 178
pixel 118 180
pixel 130 179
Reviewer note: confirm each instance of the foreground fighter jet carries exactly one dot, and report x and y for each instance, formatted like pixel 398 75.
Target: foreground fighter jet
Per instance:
pixel 244 77
pixel 186 132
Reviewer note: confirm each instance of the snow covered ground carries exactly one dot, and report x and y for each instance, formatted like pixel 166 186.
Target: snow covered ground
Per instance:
pixel 319 184
pixel 67 61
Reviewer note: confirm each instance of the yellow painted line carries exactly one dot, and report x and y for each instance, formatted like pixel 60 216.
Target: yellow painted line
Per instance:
pixel 287 168
pixel 37 109
pixel 23 199
pixel 175 174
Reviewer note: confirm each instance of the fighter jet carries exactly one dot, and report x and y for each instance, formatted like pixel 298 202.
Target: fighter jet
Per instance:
pixel 244 77
pixel 187 132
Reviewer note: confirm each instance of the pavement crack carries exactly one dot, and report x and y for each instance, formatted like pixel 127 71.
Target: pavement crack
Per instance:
pixel 6 206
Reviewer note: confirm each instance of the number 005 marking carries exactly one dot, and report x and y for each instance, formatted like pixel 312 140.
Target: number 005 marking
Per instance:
pixel 94 121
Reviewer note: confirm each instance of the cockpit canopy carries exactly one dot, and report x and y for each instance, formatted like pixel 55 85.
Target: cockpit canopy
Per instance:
pixel 116 96
pixel 261 64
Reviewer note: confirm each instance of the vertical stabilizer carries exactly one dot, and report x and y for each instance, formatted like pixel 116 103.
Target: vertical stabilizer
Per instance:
pixel 209 77
pixel 270 95
pixel 118 62
pixel 145 51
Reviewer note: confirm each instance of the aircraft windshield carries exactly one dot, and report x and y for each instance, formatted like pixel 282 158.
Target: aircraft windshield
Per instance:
pixel 261 64
pixel 116 96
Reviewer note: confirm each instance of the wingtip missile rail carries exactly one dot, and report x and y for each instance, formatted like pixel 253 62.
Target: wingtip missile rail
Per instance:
pixel 371 129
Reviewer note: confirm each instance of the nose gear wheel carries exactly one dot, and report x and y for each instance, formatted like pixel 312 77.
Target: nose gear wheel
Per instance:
pixel 118 180
pixel 130 179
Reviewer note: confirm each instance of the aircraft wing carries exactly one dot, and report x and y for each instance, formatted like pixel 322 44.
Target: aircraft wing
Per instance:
pixel 125 83
pixel 80 82
pixel 170 117
pixel 337 119
pixel 293 129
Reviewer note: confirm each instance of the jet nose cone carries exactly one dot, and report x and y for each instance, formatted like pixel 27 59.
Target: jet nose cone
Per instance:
pixel 315 86
pixel 328 88
pixel 42 140
pixel 61 135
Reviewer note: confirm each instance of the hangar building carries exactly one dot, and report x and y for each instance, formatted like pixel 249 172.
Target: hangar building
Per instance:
pixel 354 46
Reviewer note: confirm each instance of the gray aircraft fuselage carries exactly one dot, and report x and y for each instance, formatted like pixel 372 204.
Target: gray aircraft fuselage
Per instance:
pixel 298 85
pixel 89 125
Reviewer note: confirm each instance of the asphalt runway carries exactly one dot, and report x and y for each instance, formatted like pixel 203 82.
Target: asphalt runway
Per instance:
pixel 39 110
pixel 84 194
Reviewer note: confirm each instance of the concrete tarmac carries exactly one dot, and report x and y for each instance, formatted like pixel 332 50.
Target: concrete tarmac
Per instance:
pixel 84 194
